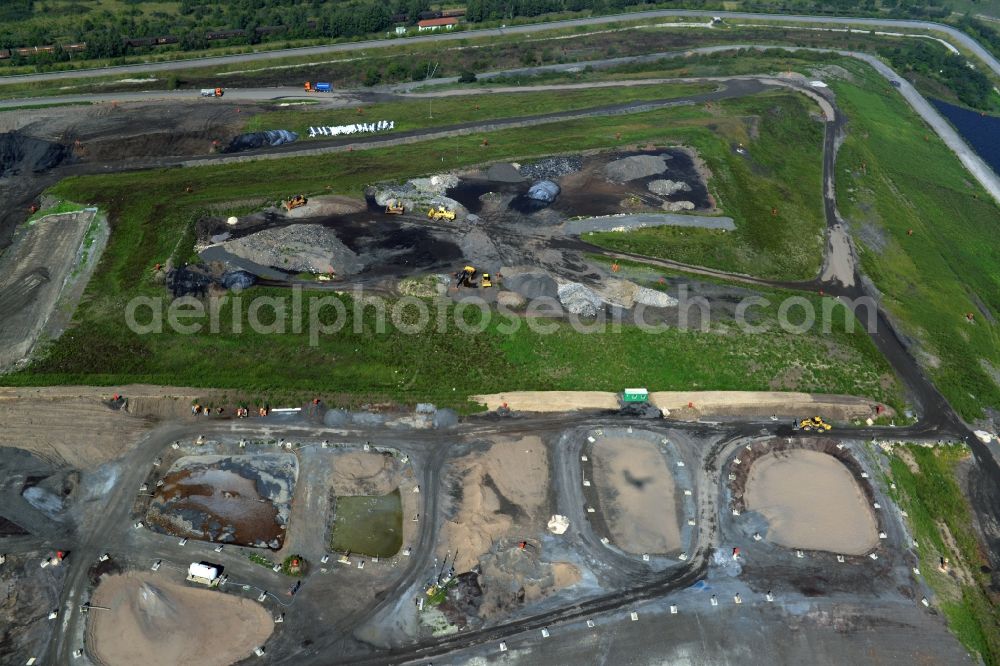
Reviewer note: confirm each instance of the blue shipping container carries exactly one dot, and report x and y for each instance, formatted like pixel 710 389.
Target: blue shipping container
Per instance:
pixel 322 87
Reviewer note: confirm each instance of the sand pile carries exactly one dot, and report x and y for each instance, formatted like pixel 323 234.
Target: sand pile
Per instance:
pixel 298 248
pixel 635 167
pixel 637 496
pixel 811 501
pixel 154 621
pixel 503 492
pixel 359 473
pixel 654 298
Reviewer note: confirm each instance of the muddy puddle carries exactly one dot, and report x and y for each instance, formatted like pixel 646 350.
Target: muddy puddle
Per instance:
pixel 811 501
pixel 368 524
pixel 240 499
pixel 637 495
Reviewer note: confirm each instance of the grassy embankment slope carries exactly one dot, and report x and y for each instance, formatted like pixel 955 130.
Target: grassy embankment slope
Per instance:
pixel 941 521
pixel 894 175
pixel 772 192
pixel 150 211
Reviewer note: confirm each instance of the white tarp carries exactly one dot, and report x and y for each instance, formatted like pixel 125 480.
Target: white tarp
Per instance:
pixel 357 128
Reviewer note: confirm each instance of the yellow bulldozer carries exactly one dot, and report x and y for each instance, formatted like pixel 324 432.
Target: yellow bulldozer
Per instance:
pixel 394 207
pixel 296 201
pixel 441 213
pixel 815 423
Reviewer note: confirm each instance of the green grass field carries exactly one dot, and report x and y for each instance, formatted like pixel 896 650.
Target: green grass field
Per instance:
pixel 782 170
pixel 941 521
pixel 151 218
pixel 893 176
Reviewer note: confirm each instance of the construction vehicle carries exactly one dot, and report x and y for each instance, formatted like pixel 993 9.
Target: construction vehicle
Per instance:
pixel 295 202
pixel 394 207
pixel 466 277
pixel 441 213
pixel 815 423
pixel 485 283
pixel 318 87
pixel 211 92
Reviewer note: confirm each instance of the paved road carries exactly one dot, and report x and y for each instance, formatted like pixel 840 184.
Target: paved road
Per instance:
pixel 956 36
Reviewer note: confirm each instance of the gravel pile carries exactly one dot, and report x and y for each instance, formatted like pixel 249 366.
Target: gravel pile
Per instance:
pixel 677 206
pixel 530 284
pixel 504 172
pixel 636 166
pixel 435 184
pixel 551 167
pixel 479 249
pixel 654 298
pixel 299 248
pixel 580 300
pixel 667 187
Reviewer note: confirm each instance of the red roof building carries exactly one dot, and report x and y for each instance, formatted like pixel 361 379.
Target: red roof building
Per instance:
pixel 434 24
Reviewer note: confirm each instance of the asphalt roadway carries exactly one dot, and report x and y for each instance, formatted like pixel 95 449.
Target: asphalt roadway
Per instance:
pixel 956 35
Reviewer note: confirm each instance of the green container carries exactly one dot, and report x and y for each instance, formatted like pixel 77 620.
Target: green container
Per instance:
pixel 635 395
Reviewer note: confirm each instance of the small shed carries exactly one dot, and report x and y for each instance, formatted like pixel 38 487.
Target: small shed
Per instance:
pixel 437 24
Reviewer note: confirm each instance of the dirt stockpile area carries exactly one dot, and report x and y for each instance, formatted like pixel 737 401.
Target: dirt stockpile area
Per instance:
pixel 153 621
pixel 811 495
pixel 27 594
pixel 671 179
pixel 20 153
pixel 360 473
pixel 637 495
pixel 500 498
pixel 32 274
pixel 244 500
pixel 299 248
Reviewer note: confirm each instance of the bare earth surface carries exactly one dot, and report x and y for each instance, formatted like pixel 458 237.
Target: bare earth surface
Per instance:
pixel 153 621
pixel 637 495
pixel 811 501
pixel 75 425
pixel 32 274
pixel 706 403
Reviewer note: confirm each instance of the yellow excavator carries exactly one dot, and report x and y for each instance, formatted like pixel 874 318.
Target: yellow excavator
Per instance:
pixel 815 423
pixel 441 213
pixel 296 201
pixel 393 207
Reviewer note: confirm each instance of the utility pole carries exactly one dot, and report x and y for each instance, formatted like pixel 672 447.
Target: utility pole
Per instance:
pixel 430 100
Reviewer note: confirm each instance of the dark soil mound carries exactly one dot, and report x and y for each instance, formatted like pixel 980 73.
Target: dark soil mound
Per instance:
pixel 255 140
pixel 19 153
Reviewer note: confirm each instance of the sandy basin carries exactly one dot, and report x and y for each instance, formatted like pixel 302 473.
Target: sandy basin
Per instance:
pixel 811 501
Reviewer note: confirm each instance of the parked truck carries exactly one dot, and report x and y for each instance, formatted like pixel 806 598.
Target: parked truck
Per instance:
pixel 318 87
pixel 211 92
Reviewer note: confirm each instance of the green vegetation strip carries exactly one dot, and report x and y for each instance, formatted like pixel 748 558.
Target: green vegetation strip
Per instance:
pixel 925 230
pixel 942 524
